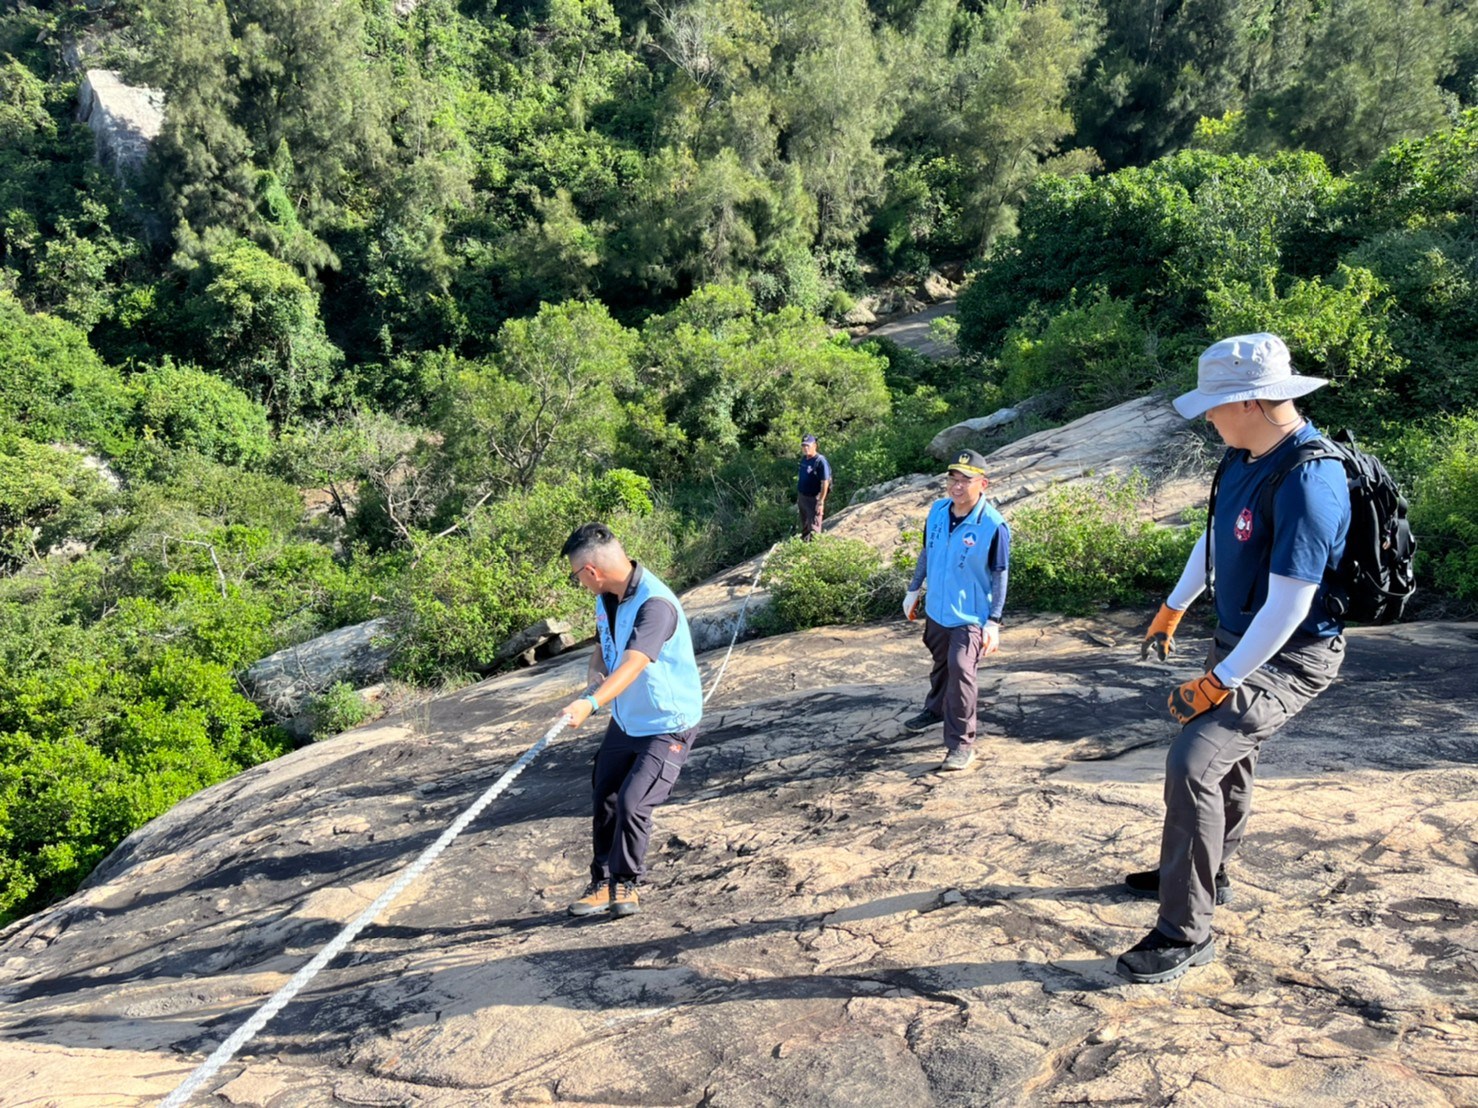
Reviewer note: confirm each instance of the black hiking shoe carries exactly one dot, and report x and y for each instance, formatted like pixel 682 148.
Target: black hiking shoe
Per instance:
pixel 1157 958
pixel 1146 883
pixel 922 722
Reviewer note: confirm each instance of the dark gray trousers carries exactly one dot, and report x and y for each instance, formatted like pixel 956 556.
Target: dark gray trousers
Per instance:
pixel 952 693
pixel 1208 774
pixel 631 776
pixel 811 510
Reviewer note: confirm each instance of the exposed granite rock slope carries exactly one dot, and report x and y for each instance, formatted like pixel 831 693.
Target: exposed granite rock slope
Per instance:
pixel 828 921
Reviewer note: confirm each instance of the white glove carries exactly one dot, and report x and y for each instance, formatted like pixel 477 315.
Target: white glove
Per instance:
pixel 910 602
pixel 990 639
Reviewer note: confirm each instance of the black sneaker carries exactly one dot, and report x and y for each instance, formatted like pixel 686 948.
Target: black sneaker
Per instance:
pixel 1147 883
pixel 922 722
pixel 1157 958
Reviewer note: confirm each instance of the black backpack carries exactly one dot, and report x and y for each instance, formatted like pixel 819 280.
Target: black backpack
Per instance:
pixel 1374 579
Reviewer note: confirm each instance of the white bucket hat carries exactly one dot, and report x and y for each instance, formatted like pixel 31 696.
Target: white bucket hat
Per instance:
pixel 1245 367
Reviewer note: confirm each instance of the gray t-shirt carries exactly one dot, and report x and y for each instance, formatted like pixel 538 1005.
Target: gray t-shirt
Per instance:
pixel 656 619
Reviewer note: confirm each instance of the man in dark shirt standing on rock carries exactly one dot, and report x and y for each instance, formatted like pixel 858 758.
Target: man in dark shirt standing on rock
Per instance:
pixel 811 488
pixel 966 556
pixel 1276 645
pixel 644 671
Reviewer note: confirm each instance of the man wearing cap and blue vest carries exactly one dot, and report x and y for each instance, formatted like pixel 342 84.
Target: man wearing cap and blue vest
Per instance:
pixel 966 556
pixel 811 486
pixel 1276 646
pixel 644 671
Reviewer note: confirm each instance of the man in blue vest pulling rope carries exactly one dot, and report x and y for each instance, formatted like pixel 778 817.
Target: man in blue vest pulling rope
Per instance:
pixel 645 673
pixel 966 555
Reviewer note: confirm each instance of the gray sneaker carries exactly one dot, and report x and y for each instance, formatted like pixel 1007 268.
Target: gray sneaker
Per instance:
pixel 959 758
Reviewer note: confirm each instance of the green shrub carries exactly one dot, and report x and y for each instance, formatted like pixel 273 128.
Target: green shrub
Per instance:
pixel 1087 546
pixel 468 592
pixel 1100 351
pixel 108 719
pixel 47 494
pixel 829 581
pixel 1337 329
pixel 1444 510
pixel 255 320
pixel 338 708
pixel 188 407
pixel 53 388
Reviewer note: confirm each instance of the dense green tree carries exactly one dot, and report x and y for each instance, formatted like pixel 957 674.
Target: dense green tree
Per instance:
pixel 22 103
pixel 53 387
pixel 830 93
pixel 1163 66
pixel 273 105
pixel 722 375
pixel 547 402
pixel 1157 236
pixel 1371 76
pixel 62 247
pixel 985 106
pixel 187 407
pixel 257 323
pixel 1339 328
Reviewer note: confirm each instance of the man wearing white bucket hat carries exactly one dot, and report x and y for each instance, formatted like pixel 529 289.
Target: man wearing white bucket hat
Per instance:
pixel 1276 646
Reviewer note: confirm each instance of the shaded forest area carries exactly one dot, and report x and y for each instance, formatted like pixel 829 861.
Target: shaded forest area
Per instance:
pixel 459 276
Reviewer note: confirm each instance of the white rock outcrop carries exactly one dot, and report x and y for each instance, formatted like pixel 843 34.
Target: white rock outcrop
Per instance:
pixel 125 119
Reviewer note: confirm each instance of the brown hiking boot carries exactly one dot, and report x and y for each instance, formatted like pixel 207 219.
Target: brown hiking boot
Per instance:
pixel 595 899
pixel 623 899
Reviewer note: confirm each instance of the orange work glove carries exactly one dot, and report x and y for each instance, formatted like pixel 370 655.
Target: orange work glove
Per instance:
pixel 1195 697
pixel 1161 635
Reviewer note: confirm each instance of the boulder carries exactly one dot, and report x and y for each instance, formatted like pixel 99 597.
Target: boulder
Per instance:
pixel 125 119
pixel 859 316
pixel 976 433
pixel 825 920
pixel 545 639
pixel 967 434
pixel 282 682
pixel 936 289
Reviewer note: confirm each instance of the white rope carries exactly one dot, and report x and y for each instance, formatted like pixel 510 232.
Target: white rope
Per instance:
pixel 280 999
pixel 739 624
pixel 227 1050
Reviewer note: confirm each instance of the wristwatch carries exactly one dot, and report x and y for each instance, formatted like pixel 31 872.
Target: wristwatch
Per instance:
pixel 594 704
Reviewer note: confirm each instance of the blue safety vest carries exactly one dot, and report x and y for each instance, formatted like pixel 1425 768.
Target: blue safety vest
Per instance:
pixel 957 565
pixel 667 696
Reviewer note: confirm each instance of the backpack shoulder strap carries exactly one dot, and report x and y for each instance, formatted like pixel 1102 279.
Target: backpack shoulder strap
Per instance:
pixel 1314 450
pixel 1221 467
